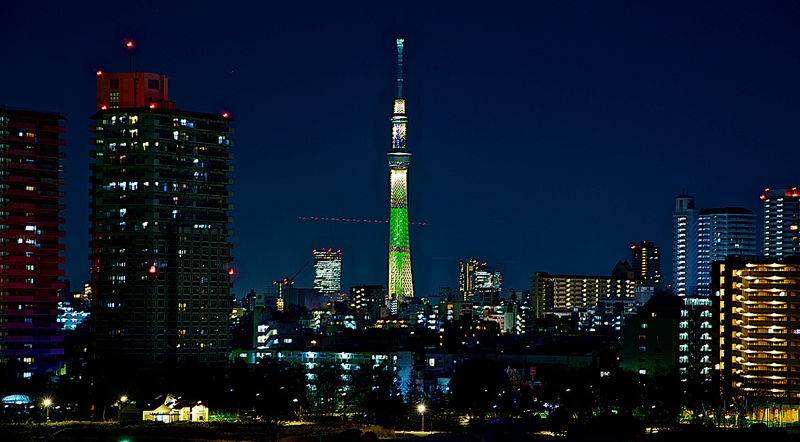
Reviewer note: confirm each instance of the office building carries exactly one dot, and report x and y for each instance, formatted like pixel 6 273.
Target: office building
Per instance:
pixel 30 220
pixel 479 283
pixel 781 222
pixel 160 226
pixel 730 231
pixel 684 246
pixel 401 284
pixel 327 271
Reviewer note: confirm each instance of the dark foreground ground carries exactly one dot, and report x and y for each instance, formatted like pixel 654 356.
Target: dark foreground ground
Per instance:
pixel 340 432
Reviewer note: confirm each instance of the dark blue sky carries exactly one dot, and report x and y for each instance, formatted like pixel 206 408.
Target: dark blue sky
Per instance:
pixel 546 136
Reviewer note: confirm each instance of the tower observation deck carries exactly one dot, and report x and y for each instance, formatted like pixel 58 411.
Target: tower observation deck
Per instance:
pixel 401 284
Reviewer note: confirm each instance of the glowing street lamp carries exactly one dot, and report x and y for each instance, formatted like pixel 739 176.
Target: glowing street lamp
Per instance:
pixel 421 409
pixel 120 404
pixel 47 403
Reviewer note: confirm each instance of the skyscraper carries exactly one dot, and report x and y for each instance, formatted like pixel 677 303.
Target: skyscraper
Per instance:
pixel 730 231
pixel 401 283
pixel 684 247
pixel 327 271
pixel 646 262
pixel 160 249
pixel 781 222
pixel 30 163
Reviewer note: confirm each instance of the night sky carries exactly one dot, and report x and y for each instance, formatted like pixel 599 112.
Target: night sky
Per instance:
pixel 546 136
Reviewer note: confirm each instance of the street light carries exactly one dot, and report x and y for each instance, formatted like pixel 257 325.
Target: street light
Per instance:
pixel 121 403
pixel 299 413
pixel 47 403
pixel 421 409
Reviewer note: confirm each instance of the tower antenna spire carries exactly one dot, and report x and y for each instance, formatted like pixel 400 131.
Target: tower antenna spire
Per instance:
pixel 400 42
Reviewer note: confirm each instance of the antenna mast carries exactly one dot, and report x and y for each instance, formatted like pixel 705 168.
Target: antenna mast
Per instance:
pixel 400 42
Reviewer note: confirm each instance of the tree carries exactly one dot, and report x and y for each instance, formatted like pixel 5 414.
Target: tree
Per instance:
pixel 478 387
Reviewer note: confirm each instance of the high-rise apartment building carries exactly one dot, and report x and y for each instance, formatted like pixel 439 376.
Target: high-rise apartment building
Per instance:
pixel 646 262
pixel 730 231
pixel 160 225
pixel 401 284
pixel 781 222
pixel 327 271
pixel 684 246
pixel 759 328
pixel 30 220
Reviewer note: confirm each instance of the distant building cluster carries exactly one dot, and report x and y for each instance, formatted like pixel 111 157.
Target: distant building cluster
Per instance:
pixel 160 292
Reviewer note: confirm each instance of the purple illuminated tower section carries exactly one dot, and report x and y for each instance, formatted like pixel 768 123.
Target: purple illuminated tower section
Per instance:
pixel 401 284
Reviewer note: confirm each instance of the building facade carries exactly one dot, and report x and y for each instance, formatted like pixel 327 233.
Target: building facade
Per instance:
pixel 759 329
pixel 479 283
pixel 327 271
pixel 730 231
pixel 646 263
pixel 684 246
pixel 781 222
pixel 30 248
pixel 401 284
pixel 160 226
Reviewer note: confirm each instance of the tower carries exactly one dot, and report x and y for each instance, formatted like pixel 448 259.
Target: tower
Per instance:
pixel 160 250
pixel 328 271
pixel 684 248
pixel 781 222
pixel 30 207
pixel 401 284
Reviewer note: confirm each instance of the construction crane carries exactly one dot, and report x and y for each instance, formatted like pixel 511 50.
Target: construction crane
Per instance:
pixel 354 220
pixel 289 280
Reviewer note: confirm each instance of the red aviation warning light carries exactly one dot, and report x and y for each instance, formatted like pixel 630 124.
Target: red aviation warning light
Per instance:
pixel 231 272
pixel 99 72
pixel 225 115
pixel 129 44
pixel 153 269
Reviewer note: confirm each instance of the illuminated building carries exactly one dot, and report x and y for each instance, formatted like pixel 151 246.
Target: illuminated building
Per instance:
pixel 30 219
pixel 684 246
pixel 730 231
pixel 369 299
pixel 401 284
pixel 479 283
pixel 160 250
pixel 759 328
pixel 646 262
pixel 328 271
pixel 565 293
pixel 781 222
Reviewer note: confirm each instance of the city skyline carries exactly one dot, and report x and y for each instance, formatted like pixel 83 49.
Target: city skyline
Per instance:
pixel 538 130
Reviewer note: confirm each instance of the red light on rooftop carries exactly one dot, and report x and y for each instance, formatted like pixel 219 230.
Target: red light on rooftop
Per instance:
pixel 225 115
pixel 99 72
pixel 104 107
pixel 230 272
pixel 763 197
pixel 129 44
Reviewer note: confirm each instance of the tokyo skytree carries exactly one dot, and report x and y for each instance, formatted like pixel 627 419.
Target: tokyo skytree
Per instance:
pixel 401 284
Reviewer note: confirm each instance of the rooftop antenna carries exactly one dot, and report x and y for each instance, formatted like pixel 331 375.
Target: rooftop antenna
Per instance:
pixel 129 45
pixel 400 42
